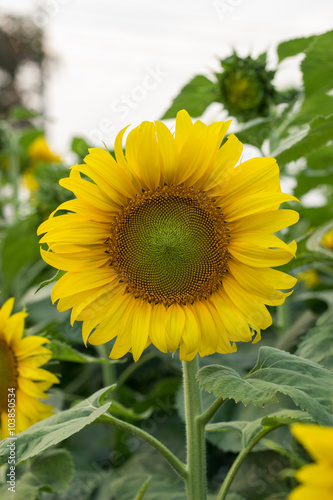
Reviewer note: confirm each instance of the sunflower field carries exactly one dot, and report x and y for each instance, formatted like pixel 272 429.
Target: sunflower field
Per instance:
pixel 166 307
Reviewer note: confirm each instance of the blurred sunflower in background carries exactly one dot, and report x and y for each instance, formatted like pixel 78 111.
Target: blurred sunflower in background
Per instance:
pixel 316 478
pixel 327 240
pixel 38 153
pixel 171 244
pixel 21 375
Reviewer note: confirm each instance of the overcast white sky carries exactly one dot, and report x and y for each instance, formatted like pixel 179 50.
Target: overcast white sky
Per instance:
pixel 122 61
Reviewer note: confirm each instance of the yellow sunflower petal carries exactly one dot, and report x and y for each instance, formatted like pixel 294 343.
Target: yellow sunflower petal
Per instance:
pixel 225 161
pixel 263 257
pixel 157 330
pixel 174 325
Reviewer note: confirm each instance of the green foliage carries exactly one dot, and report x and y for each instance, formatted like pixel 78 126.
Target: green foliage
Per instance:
pixel 291 48
pixel 80 146
pixel 317 345
pixel 65 352
pixel 131 487
pixel 318 134
pixel 51 471
pixel 306 383
pixel 247 430
pixel 60 426
pixel 195 97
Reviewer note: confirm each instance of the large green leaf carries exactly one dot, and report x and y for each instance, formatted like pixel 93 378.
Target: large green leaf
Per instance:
pixel 248 430
pixel 317 68
pixel 297 146
pixel 55 429
pixel 309 385
pixel 195 97
pixel 52 471
pixel 317 345
pixel 291 48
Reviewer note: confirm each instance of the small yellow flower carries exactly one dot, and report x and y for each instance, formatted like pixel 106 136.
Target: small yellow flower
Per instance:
pixel 22 381
pixel 317 478
pixel 327 240
pixel 171 244
pixel 309 278
pixel 39 151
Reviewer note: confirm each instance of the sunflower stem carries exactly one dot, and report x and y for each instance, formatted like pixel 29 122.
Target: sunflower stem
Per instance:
pixel 240 459
pixel 108 369
pixel 195 438
pixel 175 463
pixel 210 412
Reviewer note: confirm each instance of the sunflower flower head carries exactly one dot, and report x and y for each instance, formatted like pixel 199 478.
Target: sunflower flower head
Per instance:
pixel 21 375
pixel 170 244
pixel 246 89
pixel 316 478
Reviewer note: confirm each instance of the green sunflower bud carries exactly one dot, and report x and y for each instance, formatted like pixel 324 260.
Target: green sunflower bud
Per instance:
pixel 245 87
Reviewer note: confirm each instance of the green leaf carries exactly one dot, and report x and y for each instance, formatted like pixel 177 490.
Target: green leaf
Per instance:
pixel 248 430
pixel 316 105
pixel 64 352
pixel 80 146
pixel 20 250
pixel 52 472
pixel 143 489
pixel 195 97
pixel 18 113
pixel 255 131
pixel 297 146
pixel 320 159
pixel 55 278
pixel 293 47
pixel 126 487
pixel 53 430
pixel 54 469
pixel 310 179
pixel 310 253
pixel 317 345
pixel 306 383
pixel 317 66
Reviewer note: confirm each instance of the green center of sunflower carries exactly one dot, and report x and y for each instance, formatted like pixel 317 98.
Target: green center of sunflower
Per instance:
pixel 8 373
pixel 170 246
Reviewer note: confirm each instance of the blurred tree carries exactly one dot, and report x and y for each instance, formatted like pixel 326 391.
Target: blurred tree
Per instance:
pixel 21 44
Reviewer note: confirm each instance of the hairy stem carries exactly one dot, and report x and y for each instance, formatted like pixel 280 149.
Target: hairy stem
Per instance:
pixel 175 463
pixel 195 439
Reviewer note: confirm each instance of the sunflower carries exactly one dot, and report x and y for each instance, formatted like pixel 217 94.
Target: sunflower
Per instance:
pixel 170 244
pixel 317 478
pixel 22 382
pixel 39 151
